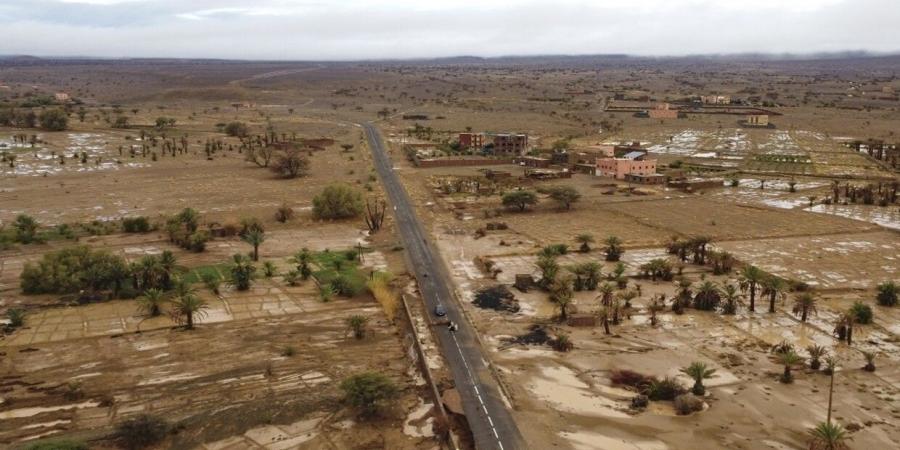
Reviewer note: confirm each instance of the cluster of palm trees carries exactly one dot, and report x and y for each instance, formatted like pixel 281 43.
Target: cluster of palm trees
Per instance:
pixel 754 280
pixel 613 247
pixel 186 306
pixel 696 249
pixel 562 283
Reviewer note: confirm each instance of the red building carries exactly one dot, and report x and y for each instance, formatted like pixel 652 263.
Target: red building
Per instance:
pixel 510 144
pixel 471 140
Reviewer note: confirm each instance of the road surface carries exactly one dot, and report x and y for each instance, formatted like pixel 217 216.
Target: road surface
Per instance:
pixel 488 415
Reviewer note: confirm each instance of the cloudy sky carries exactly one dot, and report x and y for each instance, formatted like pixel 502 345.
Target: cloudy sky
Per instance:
pixel 357 29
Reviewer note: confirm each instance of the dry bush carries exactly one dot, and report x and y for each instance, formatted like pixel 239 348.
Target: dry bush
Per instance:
pixel 380 287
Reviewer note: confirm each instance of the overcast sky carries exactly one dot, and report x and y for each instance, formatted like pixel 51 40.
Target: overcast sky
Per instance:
pixel 357 29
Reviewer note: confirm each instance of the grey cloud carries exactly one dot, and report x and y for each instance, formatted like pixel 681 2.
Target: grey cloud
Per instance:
pixel 282 29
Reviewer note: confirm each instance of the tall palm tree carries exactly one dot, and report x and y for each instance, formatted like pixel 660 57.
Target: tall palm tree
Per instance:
pixel 168 266
pixel 804 304
pixel 585 240
pixel 699 372
pixel 562 294
pixel 750 280
pixel 151 302
pixel 254 237
pixel 828 436
pixel 788 359
pixel 773 287
pixel 188 306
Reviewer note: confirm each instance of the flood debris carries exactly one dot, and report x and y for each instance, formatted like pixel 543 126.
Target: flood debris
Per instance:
pixel 498 298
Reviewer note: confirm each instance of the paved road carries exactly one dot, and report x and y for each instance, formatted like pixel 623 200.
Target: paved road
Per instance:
pixel 491 422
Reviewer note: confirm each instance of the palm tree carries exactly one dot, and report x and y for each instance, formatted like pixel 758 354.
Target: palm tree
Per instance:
pixel 254 237
pixel 357 324
pixel 707 297
pixel 188 306
pixel 613 248
pixel 585 240
pixel 816 353
pixel 699 245
pixel 774 287
pixel 549 268
pixel 751 278
pixel 788 359
pixel 699 372
pixel 731 299
pixel 242 270
pixel 302 259
pixel 604 318
pixel 151 302
pixel 804 304
pixel 269 269
pixel 190 218
pixel 593 271
pixel 168 266
pixel 683 295
pixel 606 294
pixel 828 436
pixel 561 293
pixel 844 327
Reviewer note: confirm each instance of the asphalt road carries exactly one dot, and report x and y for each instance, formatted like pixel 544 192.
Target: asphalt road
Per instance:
pixel 489 418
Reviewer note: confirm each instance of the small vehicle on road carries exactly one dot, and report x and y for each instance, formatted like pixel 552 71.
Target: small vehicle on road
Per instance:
pixel 440 311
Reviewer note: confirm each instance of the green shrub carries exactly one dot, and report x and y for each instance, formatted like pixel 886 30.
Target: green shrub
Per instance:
pixel 337 201
pixel 75 269
pixel 54 120
pixel 887 293
pixel 666 389
pixel 138 224
pixel 196 242
pixel 16 317
pixel 368 391
pixel 861 312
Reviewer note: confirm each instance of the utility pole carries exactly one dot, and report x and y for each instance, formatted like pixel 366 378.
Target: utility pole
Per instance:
pixel 830 395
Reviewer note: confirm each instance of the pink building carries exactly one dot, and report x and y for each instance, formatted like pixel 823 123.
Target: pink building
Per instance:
pixel 633 163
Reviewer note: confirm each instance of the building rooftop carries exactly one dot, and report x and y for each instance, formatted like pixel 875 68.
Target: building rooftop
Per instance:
pixel 633 155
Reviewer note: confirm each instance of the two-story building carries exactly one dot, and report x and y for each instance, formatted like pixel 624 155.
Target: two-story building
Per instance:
pixel 632 163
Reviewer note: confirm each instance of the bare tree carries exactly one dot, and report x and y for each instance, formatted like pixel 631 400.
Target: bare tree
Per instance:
pixel 290 164
pixel 375 214
pixel 261 156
